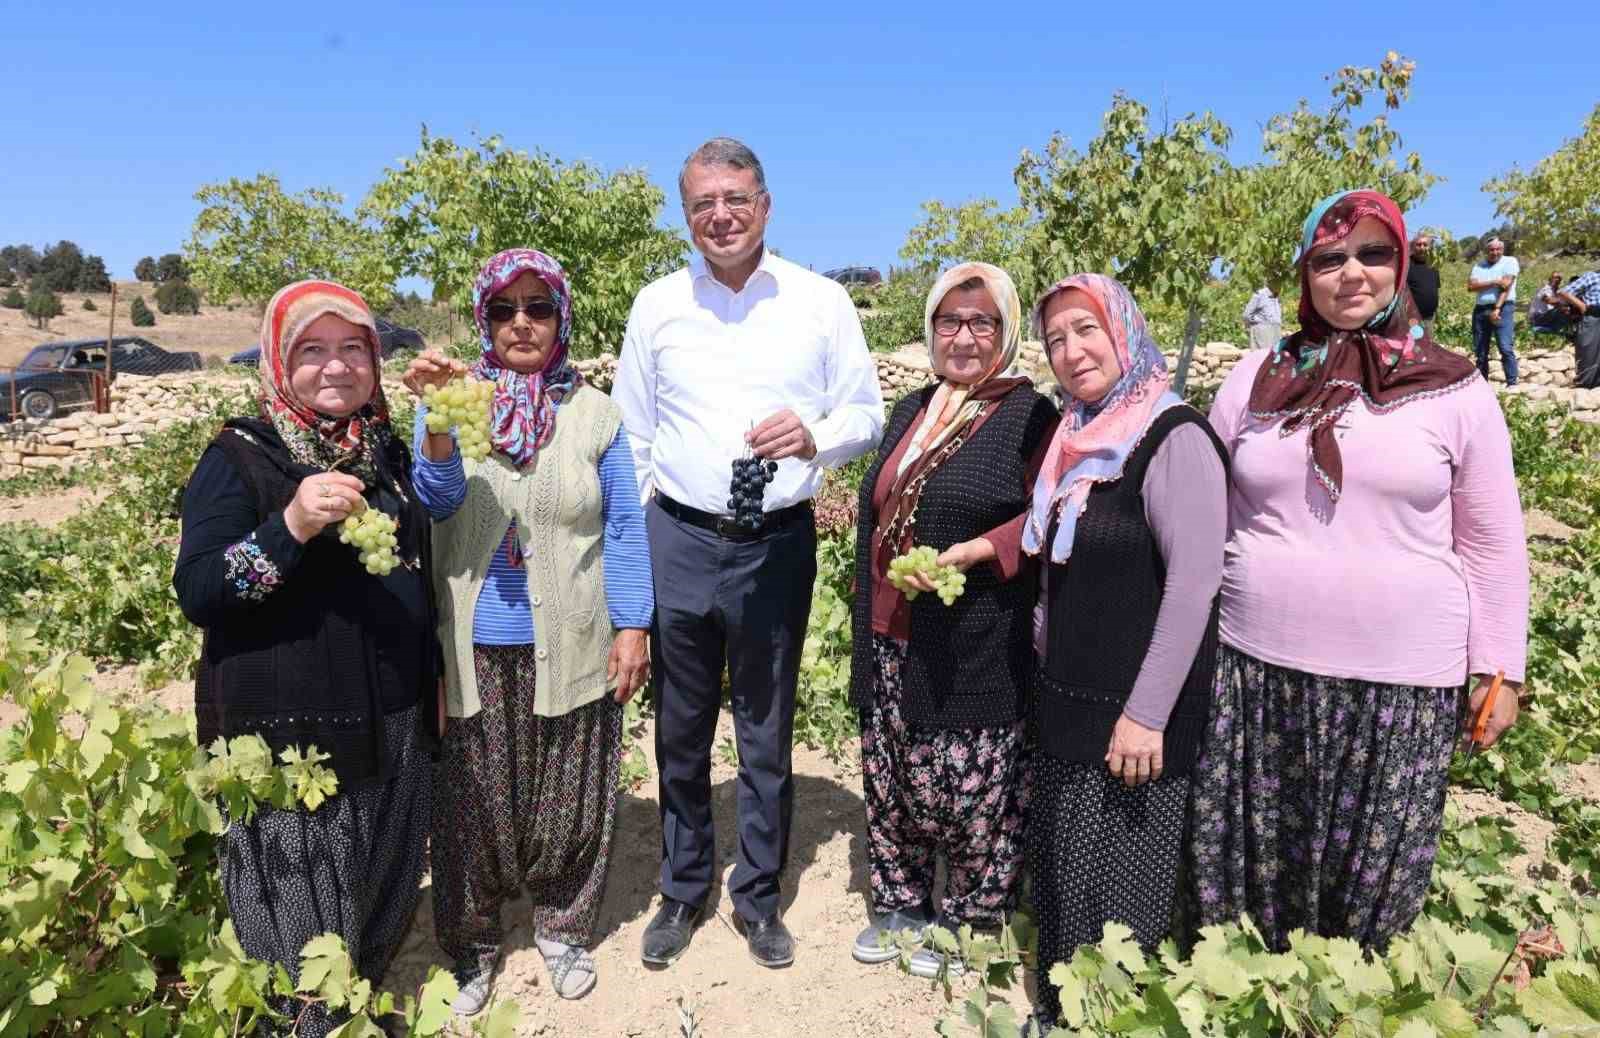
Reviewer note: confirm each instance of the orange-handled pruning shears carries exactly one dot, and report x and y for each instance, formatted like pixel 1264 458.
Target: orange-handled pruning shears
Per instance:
pixel 1481 722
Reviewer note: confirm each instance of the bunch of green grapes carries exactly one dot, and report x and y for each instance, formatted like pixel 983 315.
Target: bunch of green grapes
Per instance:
pixel 372 532
pixel 464 405
pixel 947 580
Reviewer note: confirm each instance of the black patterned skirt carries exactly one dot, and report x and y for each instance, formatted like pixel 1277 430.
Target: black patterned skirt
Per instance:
pixel 1318 801
pixel 1100 851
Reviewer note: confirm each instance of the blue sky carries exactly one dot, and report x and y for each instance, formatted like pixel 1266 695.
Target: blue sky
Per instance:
pixel 115 114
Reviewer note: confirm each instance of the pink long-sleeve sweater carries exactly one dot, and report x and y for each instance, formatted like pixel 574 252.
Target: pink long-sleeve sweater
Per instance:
pixel 1417 576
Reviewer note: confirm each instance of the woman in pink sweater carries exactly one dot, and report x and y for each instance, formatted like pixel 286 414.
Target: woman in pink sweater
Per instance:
pixel 1375 579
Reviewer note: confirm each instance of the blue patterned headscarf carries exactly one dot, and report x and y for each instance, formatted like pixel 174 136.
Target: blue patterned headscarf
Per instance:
pixel 523 415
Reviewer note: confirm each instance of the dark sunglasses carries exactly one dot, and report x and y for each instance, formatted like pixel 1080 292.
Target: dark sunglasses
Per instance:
pixel 1373 255
pixel 536 309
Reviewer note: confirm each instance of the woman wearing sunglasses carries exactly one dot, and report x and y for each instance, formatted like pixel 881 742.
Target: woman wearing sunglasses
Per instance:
pixel 1375 580
pixel 545 596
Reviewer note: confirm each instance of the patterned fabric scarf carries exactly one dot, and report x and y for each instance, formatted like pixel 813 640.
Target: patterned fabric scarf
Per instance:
pixel 1312 377
pixel 315 439
pixel 1093 441
pixel 523 415
pixel 955 409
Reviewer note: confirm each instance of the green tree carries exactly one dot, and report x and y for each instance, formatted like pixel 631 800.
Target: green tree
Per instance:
pixel 1308 155
pixel 251 238
pixel 61 266
pixel 139 313
pixel 1557 203
pixel 447 208
pixel 13 299
pixel 171 267
pixel 145 269
pixel 42 305
pixel 1138 204
pixel 92 276
pixel 977 231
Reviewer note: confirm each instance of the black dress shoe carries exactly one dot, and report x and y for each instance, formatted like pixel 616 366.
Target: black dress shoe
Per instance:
pixel 667 936
pixel 770 942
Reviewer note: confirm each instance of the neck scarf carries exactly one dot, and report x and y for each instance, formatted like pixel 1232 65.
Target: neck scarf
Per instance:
pixel 956 409
pixel 522 416
pixel 1313 376
pixel 1093 441
pixel 315 439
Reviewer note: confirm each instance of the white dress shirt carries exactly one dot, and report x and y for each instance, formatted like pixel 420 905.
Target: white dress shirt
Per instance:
pixel 702 364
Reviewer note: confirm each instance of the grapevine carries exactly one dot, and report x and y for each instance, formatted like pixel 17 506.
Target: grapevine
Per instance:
pixel 948 581
pixel 462 404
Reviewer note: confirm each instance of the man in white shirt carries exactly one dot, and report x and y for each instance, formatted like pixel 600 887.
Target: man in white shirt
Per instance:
pixel 742 352
pixel 1494 312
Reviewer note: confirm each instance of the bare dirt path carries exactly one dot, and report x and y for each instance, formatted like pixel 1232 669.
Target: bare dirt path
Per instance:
pixel 50 509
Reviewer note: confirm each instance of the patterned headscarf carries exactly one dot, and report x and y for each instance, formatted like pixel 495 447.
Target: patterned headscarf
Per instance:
pixel 954 405
pixel 1313 376
pixel 523 415
pixel 1093 441
pixel 312 438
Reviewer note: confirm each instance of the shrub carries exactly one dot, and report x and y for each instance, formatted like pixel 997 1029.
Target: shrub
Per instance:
pixel 177 297
pixel 42 305
pixel 13 299
pixel 88 304
pixel 140 313
pixel 145 269
pixel 7 278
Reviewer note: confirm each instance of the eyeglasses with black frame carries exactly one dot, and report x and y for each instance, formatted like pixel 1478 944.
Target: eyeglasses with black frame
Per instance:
pixel 536 309
pixel 1373 254
pixel 739 203
pixel 982 325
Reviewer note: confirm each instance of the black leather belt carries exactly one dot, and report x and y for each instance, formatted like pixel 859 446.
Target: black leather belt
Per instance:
pixel 724 526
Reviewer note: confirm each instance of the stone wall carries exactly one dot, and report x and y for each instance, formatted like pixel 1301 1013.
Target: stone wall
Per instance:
pixel 140 406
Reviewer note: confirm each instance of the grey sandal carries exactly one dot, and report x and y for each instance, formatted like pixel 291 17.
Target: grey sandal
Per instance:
pixel 574 958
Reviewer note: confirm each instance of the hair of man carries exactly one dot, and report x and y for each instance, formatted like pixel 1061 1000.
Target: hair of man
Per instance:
pixel 723 151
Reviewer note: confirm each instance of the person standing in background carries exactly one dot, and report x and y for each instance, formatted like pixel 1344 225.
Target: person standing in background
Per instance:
pixel 1423 280
pixel 1582 297
pixel 1494 312
pixel 1263 318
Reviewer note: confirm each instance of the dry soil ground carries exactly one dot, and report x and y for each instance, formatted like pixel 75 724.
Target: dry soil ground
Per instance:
pixel 215 331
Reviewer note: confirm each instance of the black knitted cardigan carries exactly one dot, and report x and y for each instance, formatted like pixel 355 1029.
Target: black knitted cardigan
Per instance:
pixel 968 664
pixel 301 669
pixel 1102 607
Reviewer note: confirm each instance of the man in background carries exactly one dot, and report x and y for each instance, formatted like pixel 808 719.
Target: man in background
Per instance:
pixel 1263 318
pixel 1494 311
pixel 1547 312
pixel 1422 278
pixel 1582 297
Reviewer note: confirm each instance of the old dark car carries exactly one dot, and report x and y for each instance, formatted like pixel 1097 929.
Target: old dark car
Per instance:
pixel 391 338
pixel 58 376
pixel 850 277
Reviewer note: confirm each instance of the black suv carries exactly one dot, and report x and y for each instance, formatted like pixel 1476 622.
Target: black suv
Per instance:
pixel 391 337
pixel 850 277
pixel 58 376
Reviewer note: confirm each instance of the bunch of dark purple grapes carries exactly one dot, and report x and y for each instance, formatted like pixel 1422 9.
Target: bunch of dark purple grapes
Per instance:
pixel 750 478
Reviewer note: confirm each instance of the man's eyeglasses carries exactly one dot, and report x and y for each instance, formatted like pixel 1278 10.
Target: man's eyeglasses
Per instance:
pixel 949 325
pixel 739 204
pixel 1373 255
pixel 536 309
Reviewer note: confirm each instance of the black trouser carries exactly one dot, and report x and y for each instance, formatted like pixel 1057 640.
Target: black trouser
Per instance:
pixel 1587 346
pixel 743 603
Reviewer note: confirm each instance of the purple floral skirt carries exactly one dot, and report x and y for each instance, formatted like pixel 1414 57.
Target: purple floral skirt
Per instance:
pixel 1318 801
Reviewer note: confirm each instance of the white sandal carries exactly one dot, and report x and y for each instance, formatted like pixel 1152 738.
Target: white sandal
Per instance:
pixel 562 968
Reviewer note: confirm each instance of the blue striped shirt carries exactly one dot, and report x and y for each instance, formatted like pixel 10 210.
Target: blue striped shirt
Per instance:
pixel 503 615
pixel 1585 288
